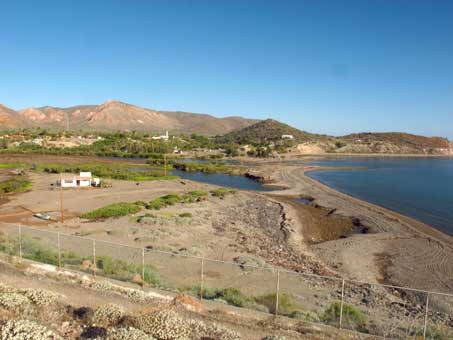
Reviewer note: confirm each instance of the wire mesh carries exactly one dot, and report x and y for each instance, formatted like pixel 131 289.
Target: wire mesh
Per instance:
pixel 9 240
pixel 118 262
pixel 439 317
pixel 389 312
pixel 172 272
pixel 392 313
pixel 308 297
pixel 76 253
pixel 39 245
pixel 240 286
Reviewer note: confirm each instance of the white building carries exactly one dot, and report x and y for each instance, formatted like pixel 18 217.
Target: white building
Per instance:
pixel 287 137
pixel 163 137
pixel 84 180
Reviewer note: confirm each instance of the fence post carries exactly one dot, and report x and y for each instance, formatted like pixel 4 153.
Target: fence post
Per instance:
pixel 341 305
pixel 143 268
pixel 94 257
pixel 277 293
pixel 202 279
pixel 426 316
pixel 20 242
pixel 59 250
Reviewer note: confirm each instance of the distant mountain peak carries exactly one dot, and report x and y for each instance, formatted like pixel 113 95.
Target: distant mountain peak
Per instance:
pixel 114 115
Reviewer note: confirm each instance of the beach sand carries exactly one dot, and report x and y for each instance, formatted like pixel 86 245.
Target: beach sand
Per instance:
pixel 396 249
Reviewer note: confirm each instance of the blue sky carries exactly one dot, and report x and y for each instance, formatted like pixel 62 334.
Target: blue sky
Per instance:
pixel 331 67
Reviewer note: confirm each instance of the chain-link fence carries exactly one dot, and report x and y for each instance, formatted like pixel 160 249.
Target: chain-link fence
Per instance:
pixel 383 310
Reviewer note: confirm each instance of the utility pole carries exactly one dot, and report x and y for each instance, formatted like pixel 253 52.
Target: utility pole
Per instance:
pixel 165 162
pixel 61 199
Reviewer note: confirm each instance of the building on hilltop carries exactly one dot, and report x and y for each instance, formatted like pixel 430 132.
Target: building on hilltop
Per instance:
pixel 163 137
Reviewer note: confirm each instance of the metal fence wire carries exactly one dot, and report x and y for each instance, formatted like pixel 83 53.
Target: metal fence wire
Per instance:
pixel 388 311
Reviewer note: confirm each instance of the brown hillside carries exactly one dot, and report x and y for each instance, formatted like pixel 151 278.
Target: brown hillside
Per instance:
pixel 400 139
pixel 114 115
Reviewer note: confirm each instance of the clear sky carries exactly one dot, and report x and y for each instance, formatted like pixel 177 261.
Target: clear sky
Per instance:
pixel 324 66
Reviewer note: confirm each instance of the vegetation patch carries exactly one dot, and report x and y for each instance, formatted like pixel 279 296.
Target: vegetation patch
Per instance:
pixel 110 170
pixel 15 184
pixel 286 304
pixel 209 168
pixel 113 210
pixel 222 192
pixel 172 199
pixel 185 215
pixel 352 316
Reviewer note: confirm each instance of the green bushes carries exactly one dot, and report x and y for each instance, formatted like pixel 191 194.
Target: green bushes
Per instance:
pixel 110 170
pixel 172 199
pixel 185 215
pixel 151 275
pixel 232 296
pixel 222 192
pixel 352 316
pixel 286 304
pixel 15 184
pixel 194 196
pixel 209 168
pixel 113 210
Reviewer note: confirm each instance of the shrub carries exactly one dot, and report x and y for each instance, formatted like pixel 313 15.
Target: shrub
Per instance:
pixel 151 275
pixel 128 334
pixel 215 331
pixel 352 316
pixel 15 184
pixel 13 300
pixel 109 314
pixel 194 196
pixel 222 192
pixel 164 325
pixel 171 199
pixel 125 271
pixel 37 251
pixel 234 297
pixel 186 214
pixel 113 210
pixel 25 330
pixel 286 304
pixel 156 204
pixel 40 296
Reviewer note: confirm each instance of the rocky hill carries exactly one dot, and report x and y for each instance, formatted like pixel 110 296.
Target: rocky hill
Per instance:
pixel 393 143
pixel 266 131
pixel 114 115
pixel 9 118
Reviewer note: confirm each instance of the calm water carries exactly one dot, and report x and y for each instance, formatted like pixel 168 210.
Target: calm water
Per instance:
pixel 421 188
pixel 238 182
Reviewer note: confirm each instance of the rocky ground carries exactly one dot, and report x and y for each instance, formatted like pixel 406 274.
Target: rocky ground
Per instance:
pixel 39 303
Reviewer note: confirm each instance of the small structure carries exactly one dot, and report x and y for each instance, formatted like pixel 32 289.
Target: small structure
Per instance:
pixel 84 180
pixel 163 137
pixel 287 137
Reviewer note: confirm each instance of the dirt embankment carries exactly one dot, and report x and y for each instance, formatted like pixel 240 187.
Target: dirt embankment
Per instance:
pixel 416 255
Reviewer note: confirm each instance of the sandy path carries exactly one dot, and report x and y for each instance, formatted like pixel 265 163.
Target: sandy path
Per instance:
pixel 419 256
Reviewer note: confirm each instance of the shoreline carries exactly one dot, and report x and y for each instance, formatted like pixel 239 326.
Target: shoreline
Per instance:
pixel 397 250
pixel 413 223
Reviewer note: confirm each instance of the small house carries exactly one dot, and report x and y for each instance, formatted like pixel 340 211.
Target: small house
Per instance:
pixel 287 137
pixel 84 180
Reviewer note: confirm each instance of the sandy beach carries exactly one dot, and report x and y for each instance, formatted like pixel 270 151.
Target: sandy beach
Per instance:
pixel 396 249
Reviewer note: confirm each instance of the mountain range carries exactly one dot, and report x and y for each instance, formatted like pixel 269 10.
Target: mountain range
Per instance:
pixel 115 115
